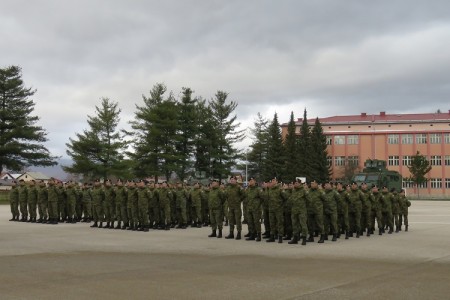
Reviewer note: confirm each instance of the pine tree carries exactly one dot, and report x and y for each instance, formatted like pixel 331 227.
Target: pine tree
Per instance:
pixel 419 167
pixel 274 166
pixel 291 151
pixel 305 149
pixel 320 171
pixel 187 131
pixel 224 153
pixel 256 157
pixel 204 140
pixel 21 140
pixel 155 134
pixel 99 151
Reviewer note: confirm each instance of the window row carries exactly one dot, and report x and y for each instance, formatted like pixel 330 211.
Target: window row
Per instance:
pixel 435 183
pixel 435 160
pixel 419 138
pixel 342 161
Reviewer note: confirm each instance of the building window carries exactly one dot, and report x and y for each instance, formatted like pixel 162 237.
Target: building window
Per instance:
pixel 353 160
pixel 328 141
pixel 423 185
pixel 339 161
pixel 436 160
pixel 407 138
pixel 407 160
pixel 329 161
pixel 447 183
pixel 394 160
pixel 393 138
pixel 436 183
pixel 447 160
pixel 421 138
pixel 435 138
pixel 352 140
pixel 339 140
pixel 407 184
pixel 447 138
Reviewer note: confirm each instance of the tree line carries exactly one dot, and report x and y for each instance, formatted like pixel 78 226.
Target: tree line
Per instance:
pixel 184 136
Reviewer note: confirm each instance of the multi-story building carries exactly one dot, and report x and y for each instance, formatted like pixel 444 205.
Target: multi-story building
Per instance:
pixel 394 138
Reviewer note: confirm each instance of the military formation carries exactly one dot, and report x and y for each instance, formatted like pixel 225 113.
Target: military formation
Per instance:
pixel 297 211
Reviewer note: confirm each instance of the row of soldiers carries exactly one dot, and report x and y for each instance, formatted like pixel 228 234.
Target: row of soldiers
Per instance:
pixel 292 211
pixel 131 205
pixel 287 210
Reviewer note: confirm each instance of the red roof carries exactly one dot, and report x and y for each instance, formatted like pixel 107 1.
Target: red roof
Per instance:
pixel 382 117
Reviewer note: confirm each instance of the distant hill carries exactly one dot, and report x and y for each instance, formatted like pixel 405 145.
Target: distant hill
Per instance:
pixel 55 171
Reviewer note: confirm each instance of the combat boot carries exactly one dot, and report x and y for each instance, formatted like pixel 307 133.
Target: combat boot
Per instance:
pixel 101 225
pixel 230 236
pixel 334 239
pixel 380 231
pixel 397 230
pixel 167 227
pixel 179 226
pixel 368 233
pixel 146 228
pixel 258 237
pixel 406 227
pixel 346 235
pixel 288 237
pixel 130 226
pixel 390 230
pixel 135 227
pixel 248 234
pixel 219 236
pixel 73 221
pixel 38 220
pixel 55 222
pixel 322 239
pixel 213 234
pixel 107 225
pixel 199 225
pixel 94 225
pixel 118 225
pixel 400 228
pixel 111 226
pixel 310 239
pixel 238 235
pixel 294 240
pixel 184 226
pixel 357 234
pixel 271 239
pixel 304 241
pixel 325 237
pixel 251 237
pixel 266 234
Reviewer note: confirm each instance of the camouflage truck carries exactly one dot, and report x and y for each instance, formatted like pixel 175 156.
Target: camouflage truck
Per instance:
pixel 376 173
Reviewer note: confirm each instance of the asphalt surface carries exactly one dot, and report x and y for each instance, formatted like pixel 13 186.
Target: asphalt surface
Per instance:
pixel 73 261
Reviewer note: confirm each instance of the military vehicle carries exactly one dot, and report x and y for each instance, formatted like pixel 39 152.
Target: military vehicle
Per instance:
pixel 376 173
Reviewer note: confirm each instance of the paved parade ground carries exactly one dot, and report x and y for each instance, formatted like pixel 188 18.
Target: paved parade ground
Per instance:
pixel 73 261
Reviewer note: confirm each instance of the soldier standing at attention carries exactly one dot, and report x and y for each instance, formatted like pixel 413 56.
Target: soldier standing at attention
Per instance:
pixel 87 202
pixel 205 208
pixel 366 209
pixel 196 200
pixel 181 202
pixel 356 199
pixel 404 205
pixel 120 202
pixel 395 209
pixel 387 209
pixel 53 198
pixel 299 213
pixel 133 206
pixel 23 198
pixel 330 203
pixel 288 188
pixel 72 196
pixel 376 211
pixel 165 197
pixel 108 204
pixel 14 202
pixel 342 211
pixel 234 195
pixel 42 200
pixel 315 199
pixel 254 197
pixel 265 212
pixel 97 203
pixel 32 201
pixel 216 198
pixel 153 206
pixel 143 199
pixel 277 197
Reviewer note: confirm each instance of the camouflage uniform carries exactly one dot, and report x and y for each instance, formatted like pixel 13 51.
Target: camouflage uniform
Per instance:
pixel 216 198
pixel 234 196
pixel 14 203
pixel 299 214
pixel 254 198
pixel 356 199
pixel 23 198
pixel 32 202
pixel 315 199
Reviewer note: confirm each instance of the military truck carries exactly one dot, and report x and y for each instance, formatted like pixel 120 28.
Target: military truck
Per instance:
pixel 376 173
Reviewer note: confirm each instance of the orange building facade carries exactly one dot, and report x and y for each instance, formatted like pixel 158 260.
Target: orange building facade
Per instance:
pixel 394 138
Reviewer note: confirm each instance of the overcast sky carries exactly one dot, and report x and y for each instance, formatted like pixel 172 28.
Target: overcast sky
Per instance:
pixel 330 57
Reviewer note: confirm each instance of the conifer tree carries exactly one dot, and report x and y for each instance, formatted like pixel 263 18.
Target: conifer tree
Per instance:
pixel 21 140
pixel 99 150
pixel 305 149
pixel 256 157
pixel 291 147
pixel 275 160
pixel 320 170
